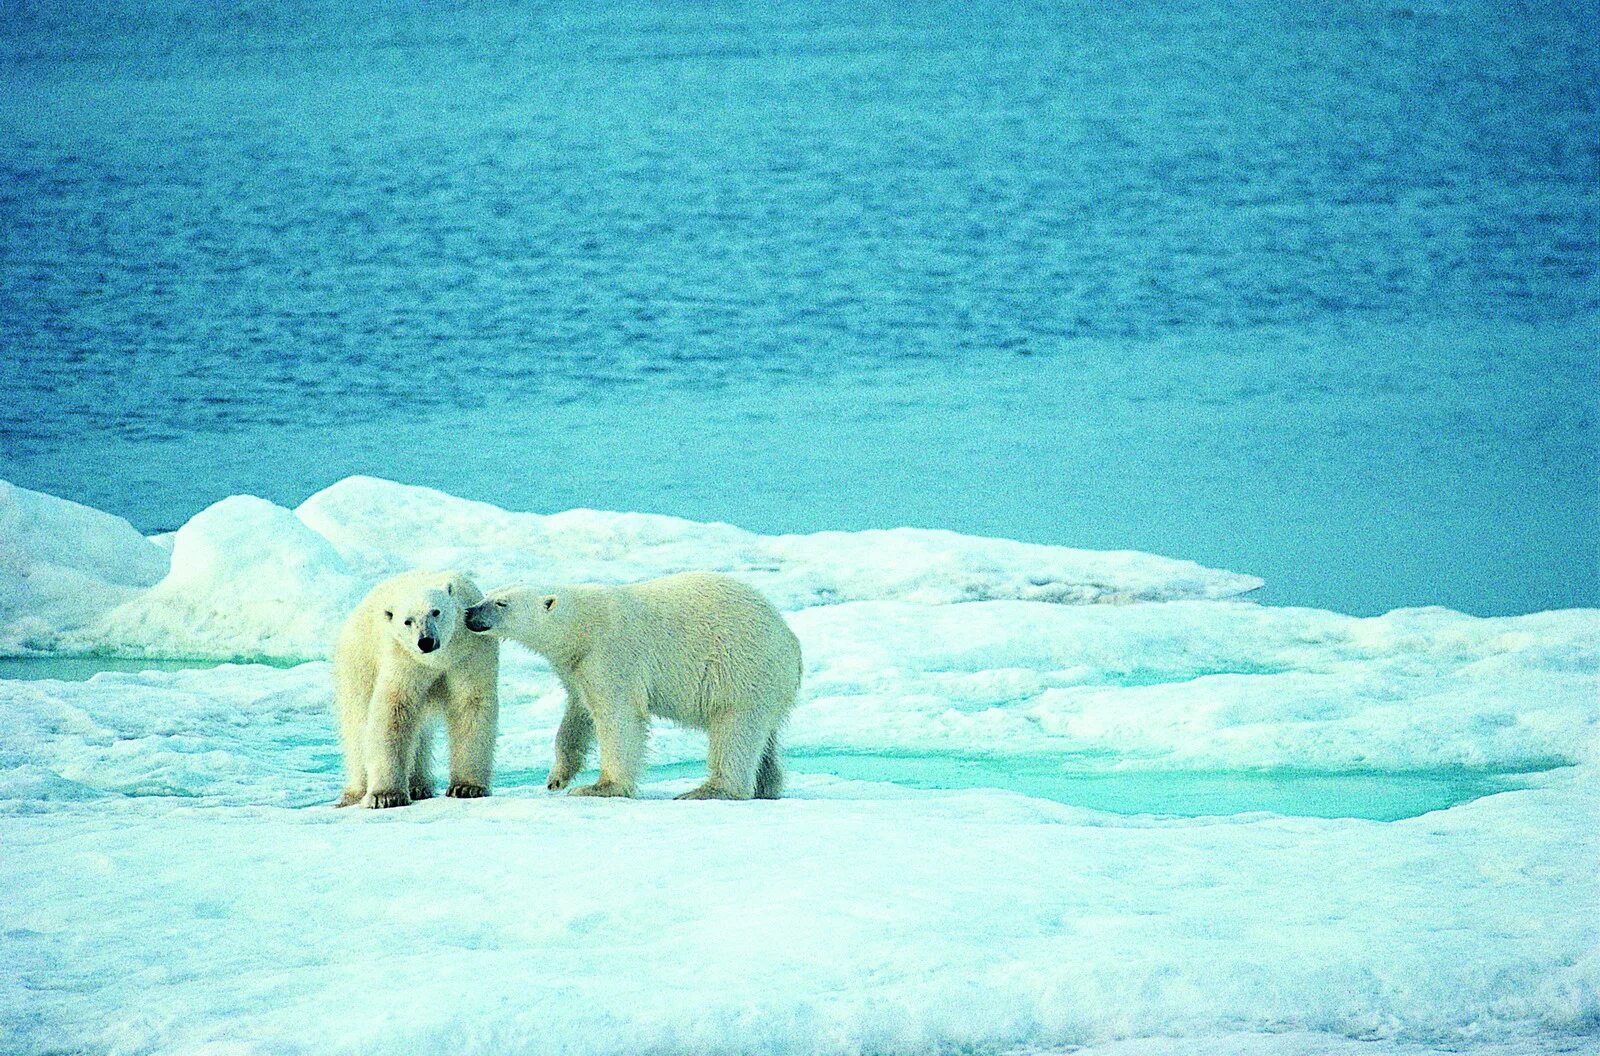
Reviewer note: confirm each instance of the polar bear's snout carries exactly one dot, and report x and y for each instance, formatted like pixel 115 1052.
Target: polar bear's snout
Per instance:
pixel 480 618
pixel 428 625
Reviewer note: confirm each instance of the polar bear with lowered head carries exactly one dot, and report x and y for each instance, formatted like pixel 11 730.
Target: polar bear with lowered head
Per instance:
pixel 403 658
pixel 698 648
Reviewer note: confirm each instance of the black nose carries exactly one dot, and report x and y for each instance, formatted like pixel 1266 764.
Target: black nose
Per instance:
pixel 476 622
pixel 427 645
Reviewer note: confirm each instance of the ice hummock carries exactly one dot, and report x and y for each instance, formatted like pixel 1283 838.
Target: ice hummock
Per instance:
pixel 171 879
pixel 61 564
pixel 249 579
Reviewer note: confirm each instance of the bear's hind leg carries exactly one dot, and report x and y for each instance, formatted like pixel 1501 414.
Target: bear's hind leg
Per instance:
pixel 735 753
pixel 769 775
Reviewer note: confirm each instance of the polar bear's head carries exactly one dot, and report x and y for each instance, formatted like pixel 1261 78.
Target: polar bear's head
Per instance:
pixel 535 618
pixel 423 613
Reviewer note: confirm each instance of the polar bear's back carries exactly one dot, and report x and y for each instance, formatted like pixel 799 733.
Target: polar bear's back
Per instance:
pixel 713 640
pixel 712 611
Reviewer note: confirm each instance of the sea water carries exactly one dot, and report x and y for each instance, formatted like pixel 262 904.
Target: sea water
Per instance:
pixel 1306 293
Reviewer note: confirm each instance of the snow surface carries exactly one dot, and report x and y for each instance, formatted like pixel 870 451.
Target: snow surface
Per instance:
pixel 172 880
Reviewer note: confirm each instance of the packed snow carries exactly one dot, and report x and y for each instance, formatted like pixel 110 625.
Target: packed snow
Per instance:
pixel 172 879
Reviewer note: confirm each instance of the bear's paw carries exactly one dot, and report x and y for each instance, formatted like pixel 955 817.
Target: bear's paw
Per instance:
pixel 603 789
pixel 708 791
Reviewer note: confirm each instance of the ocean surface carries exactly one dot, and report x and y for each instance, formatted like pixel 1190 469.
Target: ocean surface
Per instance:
pixel 1305 291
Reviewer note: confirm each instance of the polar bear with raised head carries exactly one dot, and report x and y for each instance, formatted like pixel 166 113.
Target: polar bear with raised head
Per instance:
pixel 403 658
pixel 698 648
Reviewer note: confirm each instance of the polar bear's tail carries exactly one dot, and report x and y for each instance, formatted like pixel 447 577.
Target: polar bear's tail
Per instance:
pixel 769 776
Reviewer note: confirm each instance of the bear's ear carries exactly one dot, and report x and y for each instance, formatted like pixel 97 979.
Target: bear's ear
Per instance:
pixel 549 602
pixel 387 614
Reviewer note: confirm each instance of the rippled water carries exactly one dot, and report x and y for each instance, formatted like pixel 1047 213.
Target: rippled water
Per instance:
pixel 255 247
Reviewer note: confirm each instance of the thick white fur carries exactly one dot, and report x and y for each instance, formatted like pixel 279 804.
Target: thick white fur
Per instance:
pixel 387 691
pixel 698 648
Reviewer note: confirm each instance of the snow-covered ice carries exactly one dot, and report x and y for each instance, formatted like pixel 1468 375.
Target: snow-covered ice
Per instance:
pixel 61 563
pixel 172 880
pixel 249 579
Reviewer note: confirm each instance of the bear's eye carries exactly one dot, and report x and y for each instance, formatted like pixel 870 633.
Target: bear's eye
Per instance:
pixel 449 588
pixel 388 615
pixel 408 622
pixel 435 613
pixel 549 603
pixel 499 604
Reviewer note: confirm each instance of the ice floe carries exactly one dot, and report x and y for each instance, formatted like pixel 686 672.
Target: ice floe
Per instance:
pixel 172 879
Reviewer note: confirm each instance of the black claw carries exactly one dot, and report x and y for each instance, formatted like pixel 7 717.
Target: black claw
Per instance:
pixel 464 791
pixel 380 800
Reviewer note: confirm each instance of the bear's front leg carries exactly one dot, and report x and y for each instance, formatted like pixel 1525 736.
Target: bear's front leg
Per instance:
pixel 622 726
pixel 574 738
pixel 351 700
pixel 421 783
pixel 472 721
pixel 392 727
